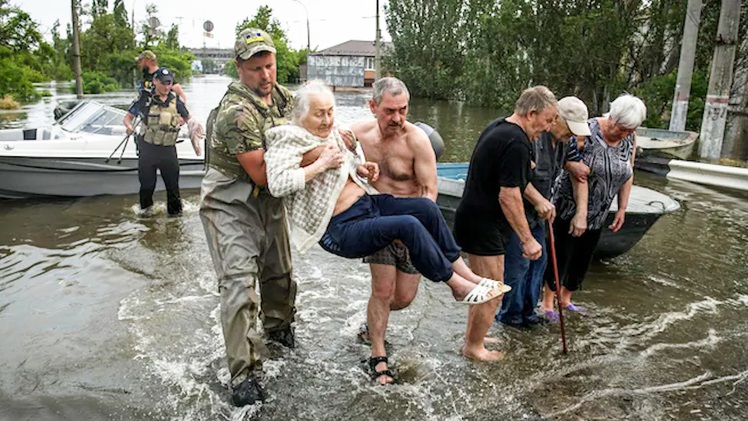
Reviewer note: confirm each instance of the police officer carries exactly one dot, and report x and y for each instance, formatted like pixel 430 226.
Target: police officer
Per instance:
pixel 160 112
pixel 245 226
pixel 148 64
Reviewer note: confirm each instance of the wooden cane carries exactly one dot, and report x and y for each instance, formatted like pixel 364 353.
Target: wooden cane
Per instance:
pixel 558 287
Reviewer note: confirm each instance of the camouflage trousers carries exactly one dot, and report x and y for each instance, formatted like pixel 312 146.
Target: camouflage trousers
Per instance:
pixel 248 242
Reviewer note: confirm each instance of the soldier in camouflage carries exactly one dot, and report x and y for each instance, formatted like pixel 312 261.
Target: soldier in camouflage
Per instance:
pixel 148 64
pixel 245 226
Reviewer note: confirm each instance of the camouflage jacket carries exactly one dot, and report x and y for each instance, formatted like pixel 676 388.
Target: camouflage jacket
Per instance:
pixel 241 120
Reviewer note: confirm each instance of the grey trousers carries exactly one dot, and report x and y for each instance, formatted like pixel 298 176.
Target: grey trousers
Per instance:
pixel 248 242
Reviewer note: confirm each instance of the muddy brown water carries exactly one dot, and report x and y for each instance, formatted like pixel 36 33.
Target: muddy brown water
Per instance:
pixel 104 315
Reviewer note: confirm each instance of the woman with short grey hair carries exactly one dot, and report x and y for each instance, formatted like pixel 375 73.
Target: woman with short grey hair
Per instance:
pixel 609 153
pixel 330 201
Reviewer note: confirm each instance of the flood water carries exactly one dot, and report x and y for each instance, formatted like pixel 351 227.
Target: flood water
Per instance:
pixel 104 315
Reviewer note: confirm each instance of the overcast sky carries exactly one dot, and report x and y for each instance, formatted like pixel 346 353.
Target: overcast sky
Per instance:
pixel 331 22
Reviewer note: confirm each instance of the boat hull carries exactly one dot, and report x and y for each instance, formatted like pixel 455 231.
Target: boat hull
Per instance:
pixel 659 142
pixel 26 177
pixel 645 208
pixel 611 244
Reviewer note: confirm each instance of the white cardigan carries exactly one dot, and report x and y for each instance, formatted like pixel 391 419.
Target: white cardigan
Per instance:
pixel 309 205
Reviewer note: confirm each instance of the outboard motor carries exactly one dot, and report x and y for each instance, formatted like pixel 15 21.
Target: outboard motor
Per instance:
pixel 436 139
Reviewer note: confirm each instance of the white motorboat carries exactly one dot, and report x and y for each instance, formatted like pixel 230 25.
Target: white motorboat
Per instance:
pixel 660 142
pixel 79 156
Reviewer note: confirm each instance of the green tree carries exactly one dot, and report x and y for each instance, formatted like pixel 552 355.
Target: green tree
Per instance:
pixel 172 38
pixel 209 66
pixel 429 68
pixel 19 65
pixel 287 63
pixel 120 14
pixel 104 37
pixel 595 49
pixel 497 66
pixel 99 7
pixel 18 32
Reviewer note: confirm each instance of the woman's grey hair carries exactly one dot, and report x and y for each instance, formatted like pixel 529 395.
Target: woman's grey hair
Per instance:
pixel 392 85
pixel 628 111
pixel 304 94
pixel 537 98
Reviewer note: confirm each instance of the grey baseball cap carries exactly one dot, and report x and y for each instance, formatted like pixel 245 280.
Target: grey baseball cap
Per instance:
pixel 252 41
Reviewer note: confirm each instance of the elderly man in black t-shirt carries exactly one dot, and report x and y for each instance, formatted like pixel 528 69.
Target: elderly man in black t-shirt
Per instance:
pixel 492 207
pixel 525 276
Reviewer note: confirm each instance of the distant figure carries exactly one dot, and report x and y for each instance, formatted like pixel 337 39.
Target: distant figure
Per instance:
pixel 245 226
pixel 329 201
pixel 525 276
pixel 407 169
pixel 148 64
pixel 609 153
pixel 492 208
pixel 160 111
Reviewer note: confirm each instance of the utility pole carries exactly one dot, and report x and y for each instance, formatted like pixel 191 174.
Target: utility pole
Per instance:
pixel 76 52
pixel 720 81
pixel 377 49
pixel 685 66
pixel 135 44
pixel 736 139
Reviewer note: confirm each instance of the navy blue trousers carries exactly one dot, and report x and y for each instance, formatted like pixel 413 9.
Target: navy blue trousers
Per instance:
pixel 525 277
pixel 375 221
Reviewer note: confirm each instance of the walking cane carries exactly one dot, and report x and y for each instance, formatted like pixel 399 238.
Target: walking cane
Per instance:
pixel 558 287
pixel 124 141
pixel 106 161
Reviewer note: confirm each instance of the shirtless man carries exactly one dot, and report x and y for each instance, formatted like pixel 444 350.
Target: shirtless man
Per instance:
pixel 359 222
pixel 407 168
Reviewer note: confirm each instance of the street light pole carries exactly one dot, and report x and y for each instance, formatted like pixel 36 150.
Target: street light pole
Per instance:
pixel 377 49
pixel 308 43
pixel 134 42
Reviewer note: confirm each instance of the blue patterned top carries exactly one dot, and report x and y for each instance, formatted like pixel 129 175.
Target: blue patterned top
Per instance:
pixel 610 168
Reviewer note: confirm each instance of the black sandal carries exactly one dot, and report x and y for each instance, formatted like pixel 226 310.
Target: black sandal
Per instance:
pixel 373 361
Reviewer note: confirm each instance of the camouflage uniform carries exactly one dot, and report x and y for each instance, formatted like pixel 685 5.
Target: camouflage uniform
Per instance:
pixel 246 228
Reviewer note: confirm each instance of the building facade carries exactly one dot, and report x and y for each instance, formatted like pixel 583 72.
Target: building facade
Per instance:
pixel 350 64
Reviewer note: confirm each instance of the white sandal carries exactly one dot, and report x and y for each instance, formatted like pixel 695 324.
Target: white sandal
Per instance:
pixel 479 295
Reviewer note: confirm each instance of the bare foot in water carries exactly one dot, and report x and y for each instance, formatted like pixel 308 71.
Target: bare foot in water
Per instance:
pixel 489 340
pixel 483 354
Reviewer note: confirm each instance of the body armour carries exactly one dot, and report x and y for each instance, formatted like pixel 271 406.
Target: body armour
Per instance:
pixel 162 122
pixel 238 124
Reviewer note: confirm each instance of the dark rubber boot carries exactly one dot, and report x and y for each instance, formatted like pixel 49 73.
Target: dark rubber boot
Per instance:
pixel 284 336
pixel 247 393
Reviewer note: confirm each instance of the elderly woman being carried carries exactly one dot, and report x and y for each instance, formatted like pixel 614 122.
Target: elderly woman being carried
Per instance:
pixel 330 201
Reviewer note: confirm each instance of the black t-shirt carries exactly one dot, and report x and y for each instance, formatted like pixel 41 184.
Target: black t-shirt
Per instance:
pixel 147 83
pixel 501 158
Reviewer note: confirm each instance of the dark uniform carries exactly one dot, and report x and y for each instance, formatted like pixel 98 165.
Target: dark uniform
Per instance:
pixel 156 146
pixel 146 84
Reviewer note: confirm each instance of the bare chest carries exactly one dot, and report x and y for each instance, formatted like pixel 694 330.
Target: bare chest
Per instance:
pixel 396 162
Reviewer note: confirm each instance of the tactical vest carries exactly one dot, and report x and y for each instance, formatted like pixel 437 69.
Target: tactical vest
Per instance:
pixel 162 123
pixel 218 156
